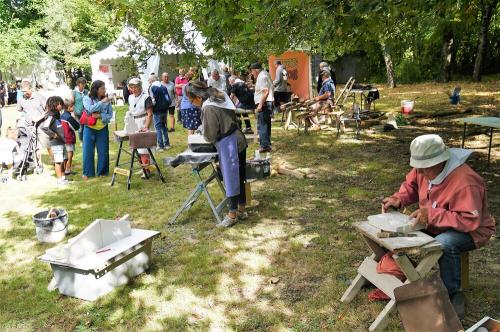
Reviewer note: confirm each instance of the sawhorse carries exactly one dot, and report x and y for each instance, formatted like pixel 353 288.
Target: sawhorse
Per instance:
pixel 202 187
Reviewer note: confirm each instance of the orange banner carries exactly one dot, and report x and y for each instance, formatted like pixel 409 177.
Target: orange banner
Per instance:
pixel 298 67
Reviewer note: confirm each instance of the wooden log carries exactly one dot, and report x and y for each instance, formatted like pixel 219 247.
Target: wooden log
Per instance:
pixel 285 171
pixel 440 114
pixel 369 123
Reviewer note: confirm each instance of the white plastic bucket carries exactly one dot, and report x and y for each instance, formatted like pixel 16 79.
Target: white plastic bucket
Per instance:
pixel 407 106
pixel 51 230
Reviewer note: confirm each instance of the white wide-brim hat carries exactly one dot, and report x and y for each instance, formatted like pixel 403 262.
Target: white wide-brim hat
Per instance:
pixel 427 151
pixel 135 81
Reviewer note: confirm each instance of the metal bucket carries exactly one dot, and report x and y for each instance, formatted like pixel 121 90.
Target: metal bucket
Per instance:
pixel 51 230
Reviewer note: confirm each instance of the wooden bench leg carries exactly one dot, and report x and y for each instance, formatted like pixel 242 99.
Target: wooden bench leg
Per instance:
pixel 464 270
pixel 382 319
pixel 353 289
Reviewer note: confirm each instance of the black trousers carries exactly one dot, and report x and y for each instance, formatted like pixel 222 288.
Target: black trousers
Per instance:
pixel 246 119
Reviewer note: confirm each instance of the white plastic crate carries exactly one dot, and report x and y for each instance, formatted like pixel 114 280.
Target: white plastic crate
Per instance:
pixel 103 256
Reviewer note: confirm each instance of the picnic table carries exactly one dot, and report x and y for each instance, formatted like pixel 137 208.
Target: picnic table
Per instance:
pixel 485 121
pixel 422 245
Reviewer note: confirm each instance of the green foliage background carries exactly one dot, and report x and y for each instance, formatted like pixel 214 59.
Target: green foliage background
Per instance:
pixel 411 32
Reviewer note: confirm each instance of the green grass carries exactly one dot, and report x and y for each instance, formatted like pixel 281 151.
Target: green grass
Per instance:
pixel 301 232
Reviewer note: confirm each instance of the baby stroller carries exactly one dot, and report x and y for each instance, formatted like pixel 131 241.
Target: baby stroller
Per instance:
pixel 27 139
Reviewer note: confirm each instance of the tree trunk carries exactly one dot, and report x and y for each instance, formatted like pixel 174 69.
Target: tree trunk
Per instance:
pixel 391 82
pixel 446 54
pixel 487 8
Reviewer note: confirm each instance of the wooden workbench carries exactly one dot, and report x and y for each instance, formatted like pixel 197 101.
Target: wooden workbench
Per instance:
pixel 423 245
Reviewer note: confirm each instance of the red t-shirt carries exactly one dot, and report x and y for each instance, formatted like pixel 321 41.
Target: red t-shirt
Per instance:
pixel 180 80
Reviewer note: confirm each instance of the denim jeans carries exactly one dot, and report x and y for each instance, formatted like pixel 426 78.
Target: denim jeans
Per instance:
pixel 160 120
pixel 453 243
pixel 264 125
pixel 80 133
pixel 93 139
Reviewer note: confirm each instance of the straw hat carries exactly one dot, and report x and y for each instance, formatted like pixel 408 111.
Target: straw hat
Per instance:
pixel 427 151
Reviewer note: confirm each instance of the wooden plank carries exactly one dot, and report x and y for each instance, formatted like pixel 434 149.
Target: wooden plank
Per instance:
pixel 464 270
pixel 427 263
pixel 121 171
pixel 378 251
pixel 407 267
pixel 353 289
pixel 396 244
pixel 433 246
pixel 383 281
pixel 380 323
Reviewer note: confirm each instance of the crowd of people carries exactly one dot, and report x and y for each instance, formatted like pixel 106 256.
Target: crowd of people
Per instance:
pixel 451 196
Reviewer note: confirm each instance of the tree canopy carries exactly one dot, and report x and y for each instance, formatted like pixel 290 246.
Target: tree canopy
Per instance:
pixel 402 40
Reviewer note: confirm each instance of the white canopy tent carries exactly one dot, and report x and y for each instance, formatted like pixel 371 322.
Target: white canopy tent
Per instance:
pixel 120 48
pixel 45 72
pixel 129 44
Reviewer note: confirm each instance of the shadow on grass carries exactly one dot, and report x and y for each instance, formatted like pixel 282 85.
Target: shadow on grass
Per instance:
pixel 286 267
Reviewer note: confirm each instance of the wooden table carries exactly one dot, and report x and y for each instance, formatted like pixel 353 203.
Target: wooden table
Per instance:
pixel 401 247
pixel 485 121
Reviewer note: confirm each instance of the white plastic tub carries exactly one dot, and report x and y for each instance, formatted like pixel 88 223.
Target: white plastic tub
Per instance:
pixel 103 256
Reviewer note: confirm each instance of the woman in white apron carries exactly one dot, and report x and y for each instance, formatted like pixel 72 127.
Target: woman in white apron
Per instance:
pixel 220 127
pixel 141 109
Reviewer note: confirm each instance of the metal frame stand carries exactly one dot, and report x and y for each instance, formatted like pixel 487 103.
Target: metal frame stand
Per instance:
pixel 489 146
pixel 202 187
pixel 128 173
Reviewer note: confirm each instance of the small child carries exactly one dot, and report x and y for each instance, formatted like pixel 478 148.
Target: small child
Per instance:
pixel 70 126
pixel 52 126
pixel 9 151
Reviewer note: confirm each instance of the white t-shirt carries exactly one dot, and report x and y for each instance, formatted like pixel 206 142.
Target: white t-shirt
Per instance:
pixel 263 82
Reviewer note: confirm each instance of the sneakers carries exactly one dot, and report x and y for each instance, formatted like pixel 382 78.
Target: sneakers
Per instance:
pixel 227 222
pixel 248 131
pixel 167 147
pixel 458 302
pixel 62 182
pixel 171 130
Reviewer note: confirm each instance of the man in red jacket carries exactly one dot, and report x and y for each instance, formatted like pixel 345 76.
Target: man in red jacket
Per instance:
pixel 452 205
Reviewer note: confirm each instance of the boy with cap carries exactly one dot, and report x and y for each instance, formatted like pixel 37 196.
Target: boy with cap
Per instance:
pixel 452 206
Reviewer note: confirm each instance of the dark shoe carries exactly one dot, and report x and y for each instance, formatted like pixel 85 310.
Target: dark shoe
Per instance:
pixel 458 302
pixel 171 130
pixel 248 131
pixel 264 150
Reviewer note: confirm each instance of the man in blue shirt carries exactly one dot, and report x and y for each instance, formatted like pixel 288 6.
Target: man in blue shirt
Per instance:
pixel 327 91
pixel 324 99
